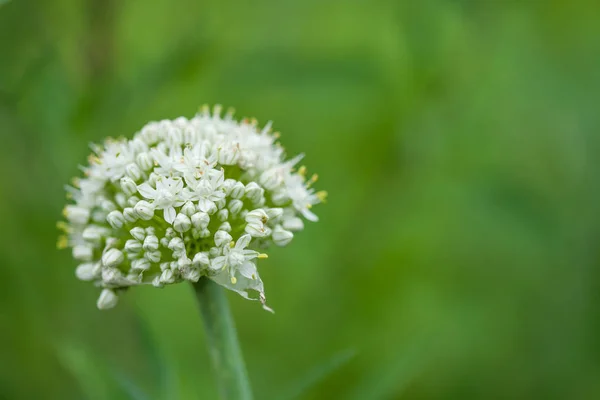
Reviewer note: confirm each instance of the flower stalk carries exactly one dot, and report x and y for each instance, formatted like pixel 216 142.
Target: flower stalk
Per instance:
pixel 224 349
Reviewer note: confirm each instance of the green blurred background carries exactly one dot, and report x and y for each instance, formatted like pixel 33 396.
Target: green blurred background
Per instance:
pixel 457 256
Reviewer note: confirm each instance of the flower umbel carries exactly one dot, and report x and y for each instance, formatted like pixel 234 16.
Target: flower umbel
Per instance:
pixel 185 199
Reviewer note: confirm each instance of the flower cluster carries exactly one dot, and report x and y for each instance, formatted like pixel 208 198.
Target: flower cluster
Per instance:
pixel 185 199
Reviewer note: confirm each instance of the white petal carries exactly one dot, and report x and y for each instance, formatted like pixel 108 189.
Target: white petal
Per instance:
pixel 243 241
pixel 170 214
pixel 248 270
pixel 218 263
pixel 147 191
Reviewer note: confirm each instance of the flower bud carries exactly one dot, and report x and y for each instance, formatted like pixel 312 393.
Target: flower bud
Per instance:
pixel 200 220
pixel 221 203
pixel 256 229
pixel 112 276
pixel 128 185
pixel 222 238
pixel 223 215
pixel 144 161
pixel 130 214
pixel 254 193
pixel 204 233
pixel 280 198
pixel 112 258
pixel 76 215
pixel 281 237
pixel 86 271
pixel 153 256
pixel 138 233
pixel 182 223
pixel 94 233
pixel 215 252
pixel 176 244
pixel 150 243
pixel 293 224
pixel 133 246
pixel 229 155
pixel 201 259
pixel 121 199
pixel 225 226
pixel 235 206
pixel 83 252
pixel 188 209
pixel 237 190
pixel 207 206
pixel 167 276
pixel 108 299
pixel 257 216
pixel 191 274
pixel 108 206
pixel 132 201
pixel 133 171
pixel 274 213
pixel 271 178
pixel 152 179
pixel 140 264
pixel 144 210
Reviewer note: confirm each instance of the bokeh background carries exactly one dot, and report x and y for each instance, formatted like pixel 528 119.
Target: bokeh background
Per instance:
pixel 457 257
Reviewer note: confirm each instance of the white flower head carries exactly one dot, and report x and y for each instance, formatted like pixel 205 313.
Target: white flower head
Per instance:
pixel 224 188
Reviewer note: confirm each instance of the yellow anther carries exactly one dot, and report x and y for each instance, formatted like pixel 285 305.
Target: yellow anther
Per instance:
pixel 277 135
pixel 69 195
pixel 263 255
pixel 233 280
pixel 62 242
pixel 322 196
pixel 75 182
pixel 231 244
pixel 302 171
pixel 64 212
pixel 63 226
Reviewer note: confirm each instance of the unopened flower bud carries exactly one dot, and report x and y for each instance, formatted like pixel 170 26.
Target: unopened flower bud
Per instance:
pixel 130 214
pixel 207 206
pixel 121 199
pixel 254 192
pixel 182 223
pixel 281 237
pixel 94 233
pixel 144 210
pixel 237 190
pixel 141 264
pixel 225 226
pixel 112 258
pixel 150 243
pixel 188 209
pixel 132 201
pixel 280 198
pixel 201 259
pixel 108 206
pixel 76 215
pixel 167 276
pixel 153 256
pixel 256 229
pixel 133 246
pixel 200 220
pixel 108 299
pixel 133 171
pixel 83 253
pixel 128 185
pixel 144 161
pixel 235 206
pixel 257 216
pixel 138 233
pixel 86 271
pixel 293 224
pixel 222 238
pixel 274 213
pixel 223 215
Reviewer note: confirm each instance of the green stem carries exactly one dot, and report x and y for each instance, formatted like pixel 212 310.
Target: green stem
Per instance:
pixel 223 346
